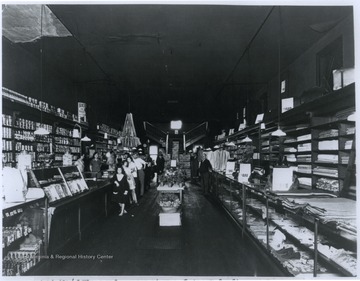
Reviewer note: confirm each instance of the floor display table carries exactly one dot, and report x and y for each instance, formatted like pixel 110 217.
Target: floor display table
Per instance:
pixel 171 217
pixel 171 189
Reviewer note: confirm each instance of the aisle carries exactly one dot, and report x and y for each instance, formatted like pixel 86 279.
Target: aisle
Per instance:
pixel 207 244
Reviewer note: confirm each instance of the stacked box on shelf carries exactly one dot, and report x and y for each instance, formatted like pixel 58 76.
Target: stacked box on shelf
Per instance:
pixel 184 163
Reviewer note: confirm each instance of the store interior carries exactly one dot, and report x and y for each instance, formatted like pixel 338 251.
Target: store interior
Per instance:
pixel 266 94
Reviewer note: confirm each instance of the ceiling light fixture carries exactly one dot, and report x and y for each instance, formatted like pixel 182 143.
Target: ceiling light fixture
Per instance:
pixel 85 138
pixel 41 130
pixel 176 125
pixel 247 139
pixel 279 132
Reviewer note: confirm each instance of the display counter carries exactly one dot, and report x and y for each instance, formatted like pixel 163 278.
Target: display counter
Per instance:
pixel 38 228
pixel 304 233
pixel 69 219
pixel 74 203
pixel 23 236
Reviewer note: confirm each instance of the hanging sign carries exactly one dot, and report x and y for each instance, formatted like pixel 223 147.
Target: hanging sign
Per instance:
pixel 259 118
pixel 82 111
pixel 287 104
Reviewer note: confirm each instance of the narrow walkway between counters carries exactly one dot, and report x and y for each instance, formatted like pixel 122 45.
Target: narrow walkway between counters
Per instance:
pixel 207 244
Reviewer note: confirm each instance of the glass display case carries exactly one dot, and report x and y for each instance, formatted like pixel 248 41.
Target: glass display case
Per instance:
pixel 295 231
pixel 59 183
pixel 23 236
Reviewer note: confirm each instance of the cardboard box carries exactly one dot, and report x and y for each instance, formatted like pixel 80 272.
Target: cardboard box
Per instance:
pixel 170 219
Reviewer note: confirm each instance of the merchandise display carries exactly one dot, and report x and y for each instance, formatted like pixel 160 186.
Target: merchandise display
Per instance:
pixel 276 122
pixel 22 236
pixel 291 241
pixel 59 183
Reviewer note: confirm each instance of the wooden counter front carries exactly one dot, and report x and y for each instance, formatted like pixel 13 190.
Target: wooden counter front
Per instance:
pixel 72 217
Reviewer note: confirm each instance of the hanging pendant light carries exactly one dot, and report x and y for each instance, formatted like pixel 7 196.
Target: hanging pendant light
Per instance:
pixel 247 139
pixel 86 138
pixel 41 130
pixel 279 132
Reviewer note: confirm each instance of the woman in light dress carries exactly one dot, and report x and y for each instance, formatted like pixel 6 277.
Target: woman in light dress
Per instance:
pixel 128 168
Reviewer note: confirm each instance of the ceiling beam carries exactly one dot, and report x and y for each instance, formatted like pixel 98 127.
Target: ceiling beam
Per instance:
pixel 245 51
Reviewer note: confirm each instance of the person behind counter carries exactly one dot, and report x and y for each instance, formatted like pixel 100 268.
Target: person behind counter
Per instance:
pixel 80 163
pixel 95 163
pixel 110 160
pixel 204 170
pixel 120 189
pixel 67 158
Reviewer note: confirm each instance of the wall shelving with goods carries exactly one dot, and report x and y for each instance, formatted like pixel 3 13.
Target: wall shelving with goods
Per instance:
pixel 315 222
pixel 270 146
pixel 243 146
pixel 22 115
pixel 297 150
pixel 322 142
pixel 107 138
pixel 64 141
pixel 318 143
pixel 347 157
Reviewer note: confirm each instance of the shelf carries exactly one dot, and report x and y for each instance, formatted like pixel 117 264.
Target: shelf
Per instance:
pixel 13 207
pixel 303 174
pixel 326 138
pixel 73 145
pixel 16 105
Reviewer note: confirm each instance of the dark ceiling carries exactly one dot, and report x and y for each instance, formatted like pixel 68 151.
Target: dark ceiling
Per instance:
pixel 164 62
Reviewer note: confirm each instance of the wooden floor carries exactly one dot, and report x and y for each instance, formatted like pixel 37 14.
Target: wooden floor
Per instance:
pixel 207 244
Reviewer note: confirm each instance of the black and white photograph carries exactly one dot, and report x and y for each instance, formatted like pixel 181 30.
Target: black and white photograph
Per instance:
pixel 179 140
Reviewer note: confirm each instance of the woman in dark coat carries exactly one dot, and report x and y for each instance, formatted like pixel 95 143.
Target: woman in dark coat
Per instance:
pixel 120 189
